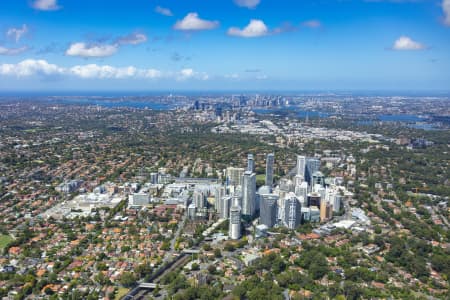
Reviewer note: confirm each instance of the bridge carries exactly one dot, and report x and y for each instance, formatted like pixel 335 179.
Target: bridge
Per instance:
pixel 191 251
pixel 147 285
pixel 142 288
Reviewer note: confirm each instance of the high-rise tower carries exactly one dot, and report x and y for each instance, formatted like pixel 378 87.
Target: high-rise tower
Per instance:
pixel 268 209
pixel 249 194
pixel 269 169
pixel 235 220
pixel 292 212
pixel 301 165
pixel 250 163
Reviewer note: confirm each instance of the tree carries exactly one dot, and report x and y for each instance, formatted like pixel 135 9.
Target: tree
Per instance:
pixel 212 269
pixel 229 247
pixel 217 253
pixel 127 279
pixel 195 267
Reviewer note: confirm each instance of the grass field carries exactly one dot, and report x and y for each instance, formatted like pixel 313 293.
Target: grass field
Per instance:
pixel 260 177
pixel 121 292
pixel 4 240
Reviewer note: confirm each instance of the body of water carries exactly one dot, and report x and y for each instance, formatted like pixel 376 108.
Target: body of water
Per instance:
pixel 400 118
pixel 300 113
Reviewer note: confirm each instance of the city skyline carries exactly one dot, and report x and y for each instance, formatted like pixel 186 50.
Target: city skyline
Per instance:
pixel 58 45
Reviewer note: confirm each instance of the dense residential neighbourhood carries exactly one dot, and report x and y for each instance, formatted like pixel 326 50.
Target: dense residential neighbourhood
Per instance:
pixel 224 150
pixel 98 201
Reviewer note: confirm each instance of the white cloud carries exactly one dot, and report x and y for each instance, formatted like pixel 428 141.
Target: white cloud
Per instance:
pixel 84 50
pixel 30 67
pixel 312 24
pixel 193 22
pixel 406 43
pixel 103 50
pixel 189 73
pixel 255 28
pixel 150 73
pixel 163 11
pixel 132 39
pixel 446 8
pixel 12 51
pixel 17 33
pixel 96 71
pixel 46 5
pixel 101 72
pixel 247 3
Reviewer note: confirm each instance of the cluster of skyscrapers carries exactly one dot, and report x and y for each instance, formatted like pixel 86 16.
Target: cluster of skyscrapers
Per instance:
pixel 305 197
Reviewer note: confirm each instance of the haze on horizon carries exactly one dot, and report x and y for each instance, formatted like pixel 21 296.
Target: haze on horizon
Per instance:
pixel 62 45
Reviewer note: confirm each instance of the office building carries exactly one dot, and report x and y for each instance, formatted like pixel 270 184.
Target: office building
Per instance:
pixel 218 194
pixel 337 203
pixel 192 210
pixel 298 180
pixel 249 194
pixel 286 185
pixel 318 178
pixel 314 214
pixel 321 191
pixel 199 199
pixel 69 187
pixel 306 214
pixel 268 209
pixel 312 166
pixel 292 212
pixel 154 178
pixel 224 207
pixel 269 169
pixel 301 191
pixel 313 199
pixel 326 211
pixel 234 176
pixel 139 199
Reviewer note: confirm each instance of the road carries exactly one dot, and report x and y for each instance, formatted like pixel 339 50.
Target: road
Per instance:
pixel 169 254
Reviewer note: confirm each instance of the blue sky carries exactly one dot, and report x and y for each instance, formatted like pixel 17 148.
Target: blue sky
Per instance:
pixel 57 45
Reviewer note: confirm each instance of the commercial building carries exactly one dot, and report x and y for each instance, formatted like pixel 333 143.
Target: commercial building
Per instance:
pixel 268 209
pixel 139 199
